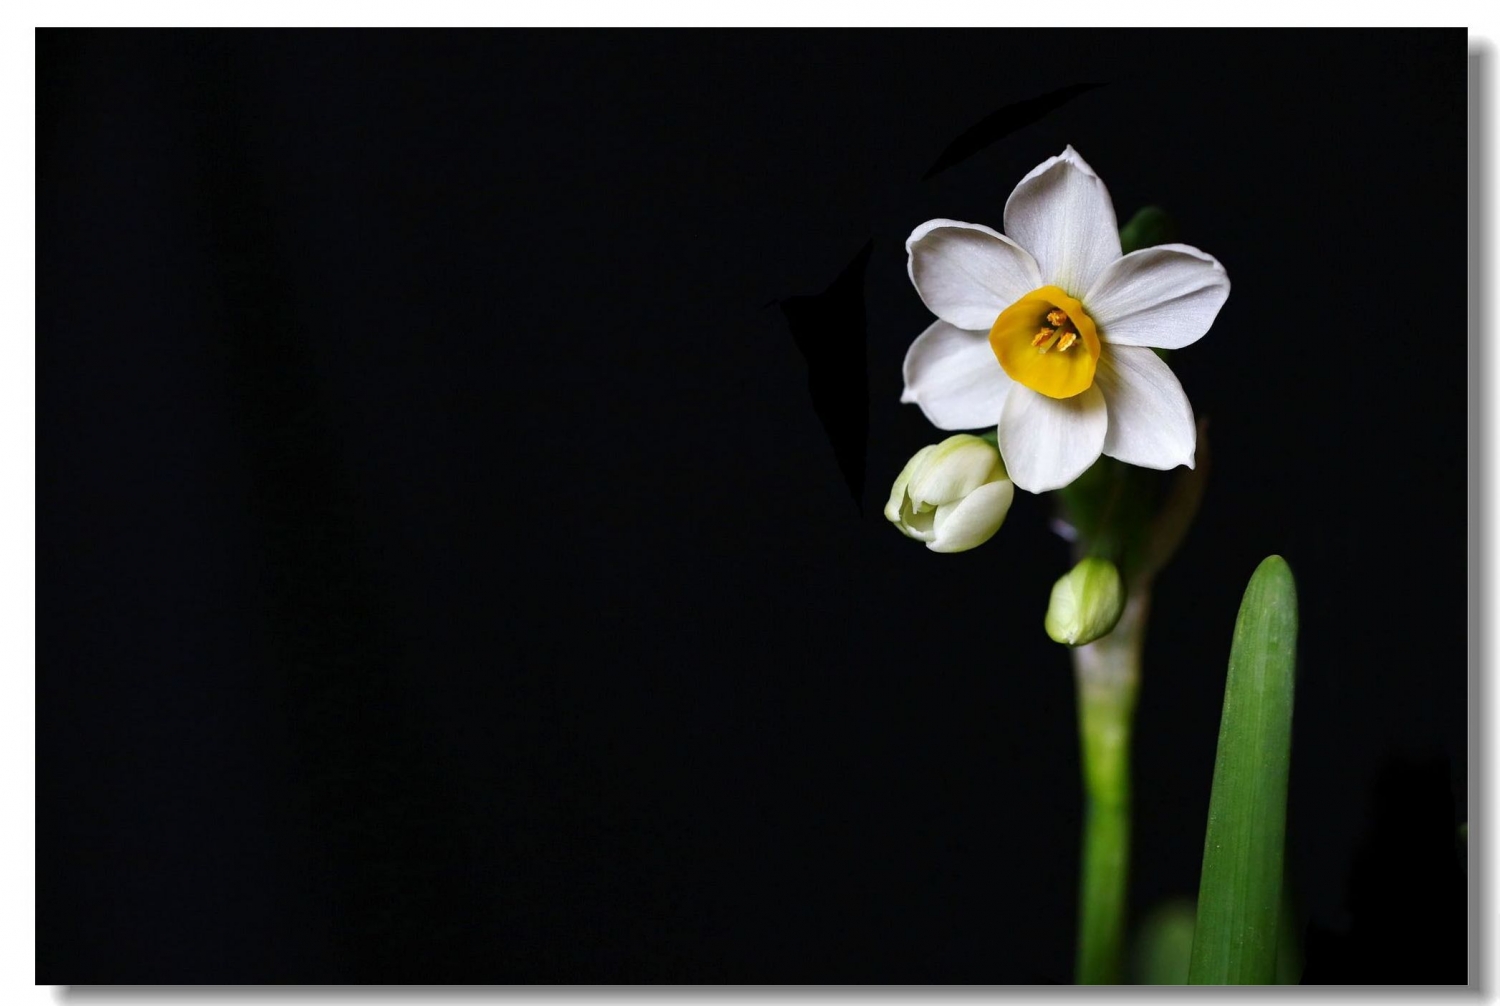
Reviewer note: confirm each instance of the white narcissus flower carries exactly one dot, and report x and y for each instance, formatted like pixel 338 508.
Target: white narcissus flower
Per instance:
pixel 1046 331
pixel 953 495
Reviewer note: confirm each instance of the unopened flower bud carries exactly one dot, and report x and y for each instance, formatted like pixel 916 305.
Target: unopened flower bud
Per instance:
pixel 1086 603
pixel 953 495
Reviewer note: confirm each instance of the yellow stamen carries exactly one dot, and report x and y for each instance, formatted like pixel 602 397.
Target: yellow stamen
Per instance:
pixel 1046 335
pixel 1067 340
pixel 1056 317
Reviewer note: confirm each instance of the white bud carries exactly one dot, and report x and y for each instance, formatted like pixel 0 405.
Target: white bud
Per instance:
pixel 1086 603
pixel 953 495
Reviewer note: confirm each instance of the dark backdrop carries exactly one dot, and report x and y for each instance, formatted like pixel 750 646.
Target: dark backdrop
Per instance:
pixel 445 575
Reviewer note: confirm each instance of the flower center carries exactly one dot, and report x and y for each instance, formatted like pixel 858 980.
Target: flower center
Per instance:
pixel 1047 342
pixel 1062 334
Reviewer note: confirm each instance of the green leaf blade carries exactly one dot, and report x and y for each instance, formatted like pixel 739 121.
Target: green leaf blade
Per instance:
pixel 1235 940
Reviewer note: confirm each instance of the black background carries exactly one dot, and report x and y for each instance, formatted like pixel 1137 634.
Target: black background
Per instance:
pixel 445 575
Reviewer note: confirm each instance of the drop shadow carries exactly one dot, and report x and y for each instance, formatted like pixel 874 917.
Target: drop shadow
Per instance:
pixel 1479 164
pixel 829 330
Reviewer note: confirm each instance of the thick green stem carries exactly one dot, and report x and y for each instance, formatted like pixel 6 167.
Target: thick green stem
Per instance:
pixel 1108 675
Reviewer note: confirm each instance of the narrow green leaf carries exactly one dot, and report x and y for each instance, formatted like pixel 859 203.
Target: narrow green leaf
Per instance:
pixel 1240 890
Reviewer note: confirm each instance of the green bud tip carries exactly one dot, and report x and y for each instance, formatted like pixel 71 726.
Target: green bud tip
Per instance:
pixel 1086 603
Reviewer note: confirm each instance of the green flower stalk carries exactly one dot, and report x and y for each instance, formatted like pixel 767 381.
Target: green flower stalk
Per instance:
pixel 1100 608
pixel 1087 611
pixel 1053 335
pixel 1108 674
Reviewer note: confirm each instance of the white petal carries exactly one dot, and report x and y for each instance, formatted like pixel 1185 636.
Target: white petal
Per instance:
pixel 1062 214
pixel 1165 297
pixel 1150 420
pixel 917 525
pixel 955 468
pixel 972 520
pixel 967 274
pixel 954 376
pixel 1049 442
pixel 898 488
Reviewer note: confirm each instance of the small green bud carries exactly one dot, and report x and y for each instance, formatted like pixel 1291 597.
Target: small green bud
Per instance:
pixel 1086 603
pixel 953 495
